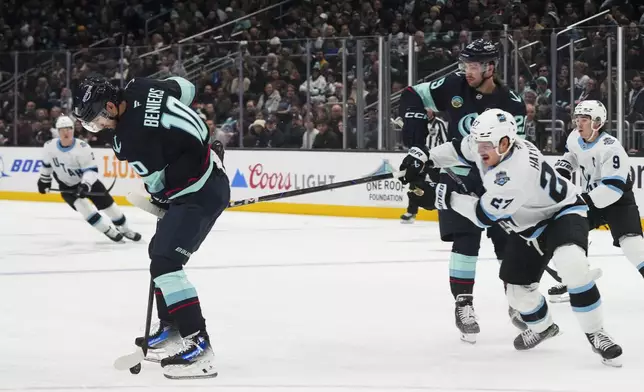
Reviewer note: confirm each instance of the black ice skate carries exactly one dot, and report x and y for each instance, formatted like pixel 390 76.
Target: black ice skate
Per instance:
pixel 516 319
pixel 407 218
pixel 606 347
pixel 529 339
pixel 195 360
pixel 114 235
pixel 466 318
pixel 559 293
pixel 164 340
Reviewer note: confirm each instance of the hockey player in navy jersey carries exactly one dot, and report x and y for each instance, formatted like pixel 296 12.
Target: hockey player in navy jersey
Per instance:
pixel 462 96
pixel 72 163
pixel 603 168
pixel 153 128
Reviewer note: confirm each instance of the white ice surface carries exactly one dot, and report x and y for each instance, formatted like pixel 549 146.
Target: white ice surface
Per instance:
pixel 293 303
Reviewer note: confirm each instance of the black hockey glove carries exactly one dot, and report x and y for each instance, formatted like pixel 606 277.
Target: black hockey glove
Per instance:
pixel 218 148
pixel 43 187
pixel 160 202
pixel 83 189
pixel 423 194
pixel 443 196
pixel 564 168
pixel 413 164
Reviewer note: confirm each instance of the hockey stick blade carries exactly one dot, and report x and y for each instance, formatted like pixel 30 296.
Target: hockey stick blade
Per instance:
pixel 128 361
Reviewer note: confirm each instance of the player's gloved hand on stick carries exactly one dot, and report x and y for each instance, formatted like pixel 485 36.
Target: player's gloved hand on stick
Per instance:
pixel 43 187
pixel 83 189
pixel 160 201
pixel 423 194
pixel 413 165
pixel 443 196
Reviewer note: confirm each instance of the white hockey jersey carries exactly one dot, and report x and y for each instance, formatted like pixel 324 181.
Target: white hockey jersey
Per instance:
pixel 522 193
pixel 70 165
pixel 603 167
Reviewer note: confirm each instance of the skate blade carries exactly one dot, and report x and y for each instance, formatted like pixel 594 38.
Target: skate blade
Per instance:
pixel 408 222
pixel 615 362
pixel 127 361
pixel 557 299
pixel 211 375
pixel 469 338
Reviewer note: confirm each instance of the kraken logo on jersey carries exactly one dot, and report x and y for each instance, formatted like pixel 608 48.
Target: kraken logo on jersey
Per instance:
pixel 465 123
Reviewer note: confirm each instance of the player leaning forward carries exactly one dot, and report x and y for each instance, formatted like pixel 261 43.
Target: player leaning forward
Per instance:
pixel 607 187
pixel 546 216
pixel 73 165
pixel 166 143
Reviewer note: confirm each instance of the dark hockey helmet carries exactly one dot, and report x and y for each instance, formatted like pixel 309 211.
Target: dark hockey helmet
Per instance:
pixel 90 98
pixel 480 51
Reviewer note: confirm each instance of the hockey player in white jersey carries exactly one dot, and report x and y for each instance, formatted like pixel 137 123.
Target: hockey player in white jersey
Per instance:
pixel 547 219
pixel 72 163
pixel 603 168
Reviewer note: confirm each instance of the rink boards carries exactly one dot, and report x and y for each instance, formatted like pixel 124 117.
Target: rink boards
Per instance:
pixel 255 173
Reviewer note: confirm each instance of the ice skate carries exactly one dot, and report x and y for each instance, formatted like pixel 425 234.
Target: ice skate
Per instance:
pixel 529 339
pixel 407 218
pixel 113 234
pixel 466 318
pixel 164 340
pixel 606 348
pixel 129 234
pixel 515 317
pixel 195 360
pixel 558 293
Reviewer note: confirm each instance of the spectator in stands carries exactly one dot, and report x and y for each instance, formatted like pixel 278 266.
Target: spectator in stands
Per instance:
pixel 635 100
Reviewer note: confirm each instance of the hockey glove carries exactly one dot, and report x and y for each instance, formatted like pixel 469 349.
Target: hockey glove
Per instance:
pixel 423 194
pixel 443 196
pixel 83 189
pixel 413 165
pixel 564 168
pixel 43 187
pixel 160 202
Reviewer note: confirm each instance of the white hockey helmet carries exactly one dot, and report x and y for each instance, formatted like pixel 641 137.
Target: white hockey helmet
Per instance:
pixel 64 122
pixel 493 125
pixel 593 109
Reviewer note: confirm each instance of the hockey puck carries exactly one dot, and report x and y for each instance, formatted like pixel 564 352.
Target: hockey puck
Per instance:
pixel 136 369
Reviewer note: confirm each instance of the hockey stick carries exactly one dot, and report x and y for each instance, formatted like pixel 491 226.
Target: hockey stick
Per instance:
pixel 88 193
pixel 133 361
pixel 142 202
pixel 461 184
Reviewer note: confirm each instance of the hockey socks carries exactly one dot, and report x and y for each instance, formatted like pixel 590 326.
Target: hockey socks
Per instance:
pixel 182 303
pixel 633 248
pixel 462 270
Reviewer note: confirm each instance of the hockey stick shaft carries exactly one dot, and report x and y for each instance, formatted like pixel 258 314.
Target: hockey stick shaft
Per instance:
pixel 315 189
pixel 142 202
pixel 88 193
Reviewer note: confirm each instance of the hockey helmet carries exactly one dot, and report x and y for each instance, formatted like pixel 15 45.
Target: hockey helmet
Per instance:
pixel 480 51
pixel 64 122
pixel 90 98
pixel 593 109
pixel 493 125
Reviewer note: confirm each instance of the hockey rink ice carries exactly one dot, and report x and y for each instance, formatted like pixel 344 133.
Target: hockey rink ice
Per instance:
pixel 292 303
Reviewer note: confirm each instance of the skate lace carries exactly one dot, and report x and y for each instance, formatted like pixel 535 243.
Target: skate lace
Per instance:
pixel 466 314
pixel 602 341
pixel 529 337
pixel 559 286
